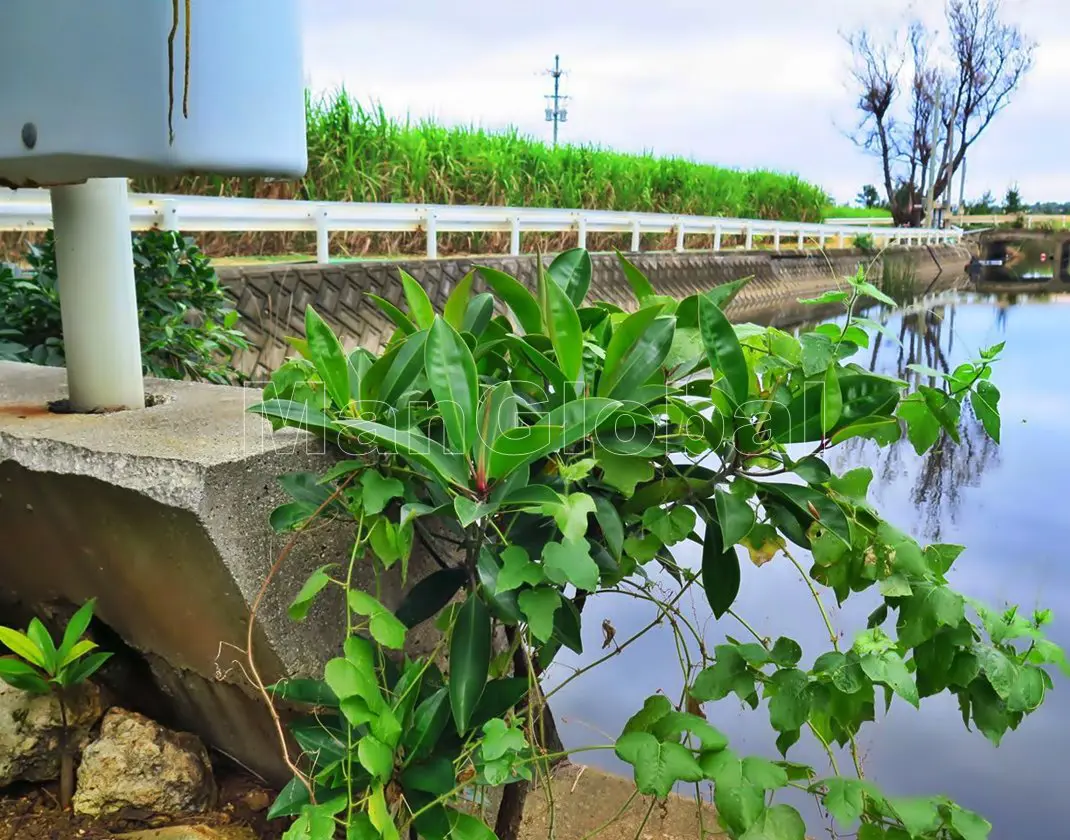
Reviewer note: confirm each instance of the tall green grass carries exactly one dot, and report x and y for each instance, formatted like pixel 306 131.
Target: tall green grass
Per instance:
pixel 361 154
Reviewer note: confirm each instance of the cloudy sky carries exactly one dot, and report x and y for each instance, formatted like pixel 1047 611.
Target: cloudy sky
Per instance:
pixel 742 84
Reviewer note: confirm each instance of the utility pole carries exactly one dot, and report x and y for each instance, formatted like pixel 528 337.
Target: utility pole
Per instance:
pixel 931 195
pixel 555 110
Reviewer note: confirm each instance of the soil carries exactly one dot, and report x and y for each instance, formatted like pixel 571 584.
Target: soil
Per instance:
pixel 32 812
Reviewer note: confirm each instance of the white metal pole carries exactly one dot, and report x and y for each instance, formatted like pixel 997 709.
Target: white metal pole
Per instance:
pixel 716 237
pixel 514 236
pixel 432 236
pixel 637 241
pixel 776 239
pixel 802 240
pixel 750 238
pixel 323 238
pixel 98 300
pixel 581 237
pixel 679 236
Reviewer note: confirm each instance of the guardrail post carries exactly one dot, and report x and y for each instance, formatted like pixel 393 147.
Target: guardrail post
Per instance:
pixel 637 237
pixel 581 237
pixel 679 236
pixel 98 301
pixel 750 237
pixel 776 239
pixel 431 226
pixel 514 236
pixel 716 237
pixel 323 237
pixel 840 243
pixel 821 240
pixel 802 240
pixel 169 215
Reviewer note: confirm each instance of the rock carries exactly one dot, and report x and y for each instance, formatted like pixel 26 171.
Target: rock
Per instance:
pixel 30 729
pixel 257 800
pixel 138 770
pixel 191 832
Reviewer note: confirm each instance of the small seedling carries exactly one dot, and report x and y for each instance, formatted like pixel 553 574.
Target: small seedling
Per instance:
pixel 40 667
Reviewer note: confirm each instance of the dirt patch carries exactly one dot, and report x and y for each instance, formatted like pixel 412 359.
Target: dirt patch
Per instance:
pixel 32 813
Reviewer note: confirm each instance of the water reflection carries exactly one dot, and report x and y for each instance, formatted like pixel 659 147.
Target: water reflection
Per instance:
pixel 926 337
pixel 1002 503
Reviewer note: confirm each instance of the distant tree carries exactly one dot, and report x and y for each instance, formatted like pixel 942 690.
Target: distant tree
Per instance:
pixel 1012 202
pixel 989 59
pixel 984 206
pixel 868 197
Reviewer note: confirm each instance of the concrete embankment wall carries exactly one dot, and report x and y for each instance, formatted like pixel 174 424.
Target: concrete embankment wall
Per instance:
pixel 272 298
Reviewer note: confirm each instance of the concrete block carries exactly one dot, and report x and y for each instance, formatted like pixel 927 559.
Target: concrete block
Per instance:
pixel 161 514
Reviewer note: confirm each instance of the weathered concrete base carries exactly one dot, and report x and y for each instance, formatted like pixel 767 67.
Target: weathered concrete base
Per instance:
pixel 272 298
pixel 161 514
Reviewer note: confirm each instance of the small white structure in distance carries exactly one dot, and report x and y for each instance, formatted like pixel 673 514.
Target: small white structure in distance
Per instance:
pixel 86 93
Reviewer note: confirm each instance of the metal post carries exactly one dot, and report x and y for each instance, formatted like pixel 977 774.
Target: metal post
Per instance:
pixel 169 215
pixel 750 238
pixel 776 239
pixel 323 238
pixel 581 239
pixel 679 237
pixel 821 240
pixel 98 300
pixel 930 196
pixel 802 240
pixel 432 237
pixel 840 239
pixel 514 236
pixel 716 237
pixel 637 237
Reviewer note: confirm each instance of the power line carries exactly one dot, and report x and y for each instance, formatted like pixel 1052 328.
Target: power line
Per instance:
pixel 556 112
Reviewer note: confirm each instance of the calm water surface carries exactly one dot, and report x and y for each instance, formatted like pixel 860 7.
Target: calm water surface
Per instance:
pixel 1007 504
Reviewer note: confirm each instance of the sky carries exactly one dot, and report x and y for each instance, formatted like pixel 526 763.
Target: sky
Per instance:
pixel 758 84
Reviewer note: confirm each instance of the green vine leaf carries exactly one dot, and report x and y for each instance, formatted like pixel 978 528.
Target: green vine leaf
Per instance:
pixel 383 624
pixel 377 491
pixel 623 472
pixel 658 766
pixel 570 562
pixel 780 822
pixel 298 609
pixel 539 606
pixel 571 515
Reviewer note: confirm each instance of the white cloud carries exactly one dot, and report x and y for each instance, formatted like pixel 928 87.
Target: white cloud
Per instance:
pixel 747 84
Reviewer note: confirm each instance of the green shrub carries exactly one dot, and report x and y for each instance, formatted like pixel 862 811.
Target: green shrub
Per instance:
pixel 864 242
pixel 185 317
pixel 560 451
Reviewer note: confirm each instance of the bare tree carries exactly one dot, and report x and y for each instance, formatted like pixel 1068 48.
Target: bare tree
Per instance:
pixel 988 57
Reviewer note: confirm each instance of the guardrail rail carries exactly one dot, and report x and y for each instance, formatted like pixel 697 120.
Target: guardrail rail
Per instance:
pixel 31 210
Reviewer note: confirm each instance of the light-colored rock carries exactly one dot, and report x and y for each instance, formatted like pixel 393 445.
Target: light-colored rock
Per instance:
pixel 137 769
pixel 31 727
pixel 191 832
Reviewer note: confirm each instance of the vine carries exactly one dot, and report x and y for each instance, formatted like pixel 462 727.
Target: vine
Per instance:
pixel 175 21
pixel 545 456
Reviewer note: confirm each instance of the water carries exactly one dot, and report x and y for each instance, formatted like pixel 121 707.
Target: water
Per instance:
pixel 1006 504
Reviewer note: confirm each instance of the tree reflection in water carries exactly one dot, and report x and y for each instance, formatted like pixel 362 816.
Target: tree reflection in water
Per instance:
pixel 925 337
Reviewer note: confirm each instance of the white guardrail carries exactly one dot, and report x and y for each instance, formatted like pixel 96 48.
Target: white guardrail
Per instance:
pixel 30 210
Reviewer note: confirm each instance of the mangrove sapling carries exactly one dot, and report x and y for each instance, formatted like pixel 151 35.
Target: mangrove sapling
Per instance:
pixel 40 667
pixel 562 449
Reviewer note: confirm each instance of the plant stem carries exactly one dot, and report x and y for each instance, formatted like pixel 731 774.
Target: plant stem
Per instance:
pixel 66 760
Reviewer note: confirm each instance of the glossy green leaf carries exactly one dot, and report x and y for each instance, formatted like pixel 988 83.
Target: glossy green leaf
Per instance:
pixel 518 570
pixel 328 357
pixel 818 352
pixel 304 691
pixel 457 303
pixel 883 430
pixel 76 627
pixel 814 506
pixel 469 660
pixel 572 271
pixel 23 676
pixel 610 523
pixel 640 286
pixel 570 561
pixel 720 571
pixel 291 799
pixel 888 668
pixel 377 491
pixel 430 595
pixel 520 301
pixel 466 827
pixel 451 371
pixel 623 472
pixel 734 515
pixel 497 415
pixel 413 444
pixel 420 309
pixel 404 367
pixel 399 318
pixel 428 722
pixel 562 427
pixel 739 807
pixel 723 349
pixel 563 328
pixel 375 757
pixel 639 345
pixel 297 414
pixel 831 296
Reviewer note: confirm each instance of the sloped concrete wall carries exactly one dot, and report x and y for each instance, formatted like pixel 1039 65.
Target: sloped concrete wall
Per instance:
pixel 272 298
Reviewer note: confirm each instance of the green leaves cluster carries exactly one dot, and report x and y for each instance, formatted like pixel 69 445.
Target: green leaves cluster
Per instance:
pixel 187 324
pixel 542 449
